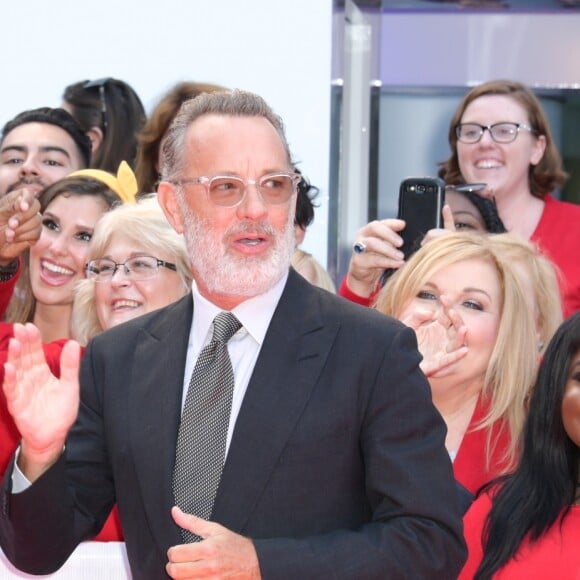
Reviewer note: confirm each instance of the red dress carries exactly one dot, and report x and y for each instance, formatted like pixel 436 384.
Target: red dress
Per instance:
pixel 556 555
pixel 10 437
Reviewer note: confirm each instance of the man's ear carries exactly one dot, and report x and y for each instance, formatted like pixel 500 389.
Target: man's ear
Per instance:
pixel 167 197
pixel 96 137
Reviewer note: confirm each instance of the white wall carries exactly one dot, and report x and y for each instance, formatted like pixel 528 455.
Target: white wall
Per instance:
pixel 279 49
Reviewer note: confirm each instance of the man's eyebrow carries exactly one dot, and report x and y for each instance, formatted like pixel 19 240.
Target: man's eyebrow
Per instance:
pixel 44 149
pixel 54 149
pixel 19 148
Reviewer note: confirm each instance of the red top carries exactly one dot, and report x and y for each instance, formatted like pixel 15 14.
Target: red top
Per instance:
pixel 10 437
pixel 558 235
pixel 555 555
pixel 469 466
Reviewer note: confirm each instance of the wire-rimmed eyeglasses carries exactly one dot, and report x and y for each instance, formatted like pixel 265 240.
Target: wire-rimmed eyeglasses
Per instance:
pixel 100 83
pixel 136 268
pixel 230 190
pixel 499 132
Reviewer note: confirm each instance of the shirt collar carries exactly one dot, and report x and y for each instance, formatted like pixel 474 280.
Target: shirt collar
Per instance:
pixel 254 313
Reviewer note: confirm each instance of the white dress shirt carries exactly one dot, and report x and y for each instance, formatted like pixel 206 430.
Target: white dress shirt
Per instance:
pixel 244 347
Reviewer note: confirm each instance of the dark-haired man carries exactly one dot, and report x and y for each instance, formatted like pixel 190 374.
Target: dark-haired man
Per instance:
pixel 39 147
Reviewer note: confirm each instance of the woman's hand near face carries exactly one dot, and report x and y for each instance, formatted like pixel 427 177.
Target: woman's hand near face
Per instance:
pixel 441 337
pixel 381 242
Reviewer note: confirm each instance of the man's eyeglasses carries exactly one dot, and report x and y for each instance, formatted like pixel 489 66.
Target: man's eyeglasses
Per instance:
pixel 137 268
pixel 229 191
pixel 100 83
pixel 499 132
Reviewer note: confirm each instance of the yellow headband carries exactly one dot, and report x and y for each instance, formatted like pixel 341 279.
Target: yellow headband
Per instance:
pixel 124 184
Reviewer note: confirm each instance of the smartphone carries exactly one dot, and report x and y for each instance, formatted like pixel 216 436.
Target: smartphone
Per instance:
pixel 421 200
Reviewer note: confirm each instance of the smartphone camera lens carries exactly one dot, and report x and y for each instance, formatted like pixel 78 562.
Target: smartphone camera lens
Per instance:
pixel 421 188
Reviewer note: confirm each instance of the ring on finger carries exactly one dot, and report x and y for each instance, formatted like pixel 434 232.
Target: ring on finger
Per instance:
pixel 359 247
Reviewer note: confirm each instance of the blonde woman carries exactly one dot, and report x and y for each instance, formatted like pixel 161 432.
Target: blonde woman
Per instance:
pixel 462 293
pixel 127 233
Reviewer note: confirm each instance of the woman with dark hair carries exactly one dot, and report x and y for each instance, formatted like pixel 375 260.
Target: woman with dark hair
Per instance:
pixel 111 113
pixel 147 167
pixel 70 209
pixel 472 211
pixel 527 524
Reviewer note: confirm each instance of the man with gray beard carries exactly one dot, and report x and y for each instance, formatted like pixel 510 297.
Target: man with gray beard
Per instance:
pixel 329 459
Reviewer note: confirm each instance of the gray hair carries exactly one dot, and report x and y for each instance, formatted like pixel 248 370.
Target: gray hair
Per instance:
pixel 233 103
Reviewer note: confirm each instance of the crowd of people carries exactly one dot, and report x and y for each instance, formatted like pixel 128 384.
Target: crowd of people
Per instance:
pixel 401 433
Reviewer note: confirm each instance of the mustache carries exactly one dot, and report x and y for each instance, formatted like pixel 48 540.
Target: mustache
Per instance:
pixel 24 182
pixel 260 228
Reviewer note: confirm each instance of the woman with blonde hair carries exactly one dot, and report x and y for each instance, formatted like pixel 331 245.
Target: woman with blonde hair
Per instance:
pixel 471 311
pixel 311 269
pixel 144 228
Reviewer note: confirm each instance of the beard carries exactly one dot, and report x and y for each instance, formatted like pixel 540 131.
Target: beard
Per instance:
pixel 224 272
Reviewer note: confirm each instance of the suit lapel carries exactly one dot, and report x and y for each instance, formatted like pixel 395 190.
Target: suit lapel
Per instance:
pixel 155 409
pixel 291 359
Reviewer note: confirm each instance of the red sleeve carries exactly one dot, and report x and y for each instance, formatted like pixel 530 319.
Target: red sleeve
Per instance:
pixel 473 522
pixel 347 293
pixel 9 435
pixel 7 289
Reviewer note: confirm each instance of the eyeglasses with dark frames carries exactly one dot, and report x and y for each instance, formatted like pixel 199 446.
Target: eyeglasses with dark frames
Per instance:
pixel 100 84
pixel 230 190
pixel 136 268
pixel 499 132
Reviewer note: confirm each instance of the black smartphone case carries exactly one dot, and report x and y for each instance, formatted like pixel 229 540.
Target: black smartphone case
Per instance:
pixel 421 200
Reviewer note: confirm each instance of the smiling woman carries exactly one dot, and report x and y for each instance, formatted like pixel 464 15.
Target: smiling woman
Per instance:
pixel 500 135
pixel 136 263
pixel 44 294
